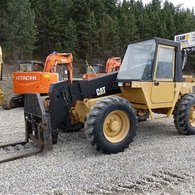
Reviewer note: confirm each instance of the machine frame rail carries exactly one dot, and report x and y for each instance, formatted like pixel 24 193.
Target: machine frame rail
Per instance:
pixel 19 156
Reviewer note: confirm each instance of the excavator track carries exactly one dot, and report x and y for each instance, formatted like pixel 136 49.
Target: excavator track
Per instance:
pixel 13 101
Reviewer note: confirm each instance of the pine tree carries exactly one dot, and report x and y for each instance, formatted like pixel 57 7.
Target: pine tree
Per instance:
pixel 19 29
pixel 89 28
pixel 2 18
pixel 71 38
pixel 104 34
pixel 128 24
pixel 126 36
pixel 168 16
pixel 113 46
pixel 51 22
pixel 80 13
pixel 93 37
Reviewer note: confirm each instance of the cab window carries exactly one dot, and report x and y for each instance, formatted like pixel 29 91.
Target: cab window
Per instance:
pixel 165 63
pixel 37 67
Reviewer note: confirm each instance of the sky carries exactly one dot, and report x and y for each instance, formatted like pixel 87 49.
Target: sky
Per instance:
pixel 186 3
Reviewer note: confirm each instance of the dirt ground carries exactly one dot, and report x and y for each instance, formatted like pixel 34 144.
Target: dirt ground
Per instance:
pixel 159 161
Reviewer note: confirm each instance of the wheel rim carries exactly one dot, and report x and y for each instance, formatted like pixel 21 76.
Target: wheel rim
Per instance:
pixel 116 126
pixel 192 115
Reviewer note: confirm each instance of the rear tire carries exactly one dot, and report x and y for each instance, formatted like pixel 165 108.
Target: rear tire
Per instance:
pixel 184 115
pixel 111 125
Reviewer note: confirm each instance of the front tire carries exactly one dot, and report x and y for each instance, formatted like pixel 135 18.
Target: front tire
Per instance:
pixel 111 124
pixel 184 115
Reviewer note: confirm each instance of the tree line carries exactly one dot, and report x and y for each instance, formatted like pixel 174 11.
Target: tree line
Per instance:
pixel 92 30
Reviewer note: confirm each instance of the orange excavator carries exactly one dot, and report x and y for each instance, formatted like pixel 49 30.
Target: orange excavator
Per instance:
pixel 95 70
pixel 57 66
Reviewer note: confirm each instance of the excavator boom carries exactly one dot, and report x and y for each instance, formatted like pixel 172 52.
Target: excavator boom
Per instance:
pixel 113 64
pixel 59 58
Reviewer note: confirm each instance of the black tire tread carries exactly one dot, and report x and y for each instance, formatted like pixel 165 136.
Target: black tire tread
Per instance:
pixel 97 110
pixel 180 114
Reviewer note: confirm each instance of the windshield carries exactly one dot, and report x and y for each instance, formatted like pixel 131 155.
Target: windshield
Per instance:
pixel 25 67
pixel 62 71
pixel 137 62
pixel 95 68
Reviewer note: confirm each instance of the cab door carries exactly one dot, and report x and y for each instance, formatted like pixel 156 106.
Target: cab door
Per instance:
pixel 163 86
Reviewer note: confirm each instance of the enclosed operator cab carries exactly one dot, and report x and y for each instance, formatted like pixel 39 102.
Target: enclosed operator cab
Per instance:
pixel 30 66
pixel 151 75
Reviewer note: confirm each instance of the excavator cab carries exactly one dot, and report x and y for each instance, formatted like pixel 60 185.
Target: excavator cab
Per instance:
pixel 28 66
pixel 95 68
pixel 62 71
pixel 60 63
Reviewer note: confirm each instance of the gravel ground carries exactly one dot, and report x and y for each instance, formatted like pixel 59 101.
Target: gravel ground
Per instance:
pixel 159 161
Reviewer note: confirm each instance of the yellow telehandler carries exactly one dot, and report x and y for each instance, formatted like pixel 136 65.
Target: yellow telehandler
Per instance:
pixel 150 80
